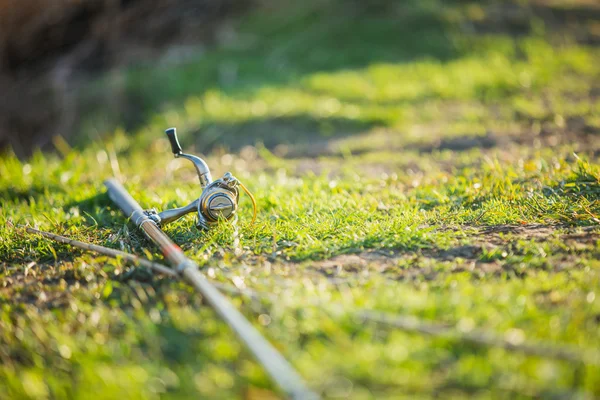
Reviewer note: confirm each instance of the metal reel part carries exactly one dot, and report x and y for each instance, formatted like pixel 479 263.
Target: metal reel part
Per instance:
pixel 218 201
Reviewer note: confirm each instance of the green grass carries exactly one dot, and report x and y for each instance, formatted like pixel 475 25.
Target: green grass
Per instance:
pixel 403 161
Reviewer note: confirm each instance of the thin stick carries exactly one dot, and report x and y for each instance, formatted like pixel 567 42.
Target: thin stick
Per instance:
pixel 135 260
pixel 108 252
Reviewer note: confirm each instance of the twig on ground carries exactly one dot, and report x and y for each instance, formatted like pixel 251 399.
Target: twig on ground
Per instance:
pixel 135 260
pixel 132 258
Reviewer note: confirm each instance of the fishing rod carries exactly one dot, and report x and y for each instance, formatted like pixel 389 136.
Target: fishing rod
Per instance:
pixel 218 201
pixel 405 323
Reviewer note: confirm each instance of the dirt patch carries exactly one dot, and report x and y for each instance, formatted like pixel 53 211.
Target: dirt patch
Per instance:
pixel 42 285
pixel 467 252
pixel 488 254
pixel 499 234
pixel 463 143
pixel 348 263
pixel 54 285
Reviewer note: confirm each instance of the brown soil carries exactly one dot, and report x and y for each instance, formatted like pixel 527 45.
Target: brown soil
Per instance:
pixel 501 238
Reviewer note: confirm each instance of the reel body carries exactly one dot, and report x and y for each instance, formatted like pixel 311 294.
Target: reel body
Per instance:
pixel 218 201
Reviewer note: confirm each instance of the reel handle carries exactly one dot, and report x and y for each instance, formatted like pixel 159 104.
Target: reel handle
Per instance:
pixel 172 135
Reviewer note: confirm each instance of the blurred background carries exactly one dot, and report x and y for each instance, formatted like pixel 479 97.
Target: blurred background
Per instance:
pixel 51 52
pixel 78 70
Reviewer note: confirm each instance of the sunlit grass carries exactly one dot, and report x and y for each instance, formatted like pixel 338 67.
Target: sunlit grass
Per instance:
pixel 405 153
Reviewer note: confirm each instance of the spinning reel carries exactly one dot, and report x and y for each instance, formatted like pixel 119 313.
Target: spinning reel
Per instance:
pixel 218 201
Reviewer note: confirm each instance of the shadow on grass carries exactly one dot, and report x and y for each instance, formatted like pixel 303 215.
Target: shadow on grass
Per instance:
pixel 582 184
pixel 280 45
pixel 317 37
pixel 34 192
pixel 304 132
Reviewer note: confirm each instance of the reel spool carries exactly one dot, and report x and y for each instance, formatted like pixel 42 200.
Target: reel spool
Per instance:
pixel 218 200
